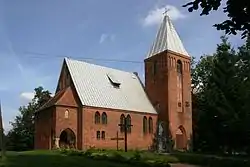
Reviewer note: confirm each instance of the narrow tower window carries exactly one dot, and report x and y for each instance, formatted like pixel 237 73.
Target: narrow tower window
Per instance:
pixel 179 67
pixel 179 86
pixel 154 68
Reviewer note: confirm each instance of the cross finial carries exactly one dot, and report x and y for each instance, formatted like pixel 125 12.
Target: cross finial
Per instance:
pixel 165 13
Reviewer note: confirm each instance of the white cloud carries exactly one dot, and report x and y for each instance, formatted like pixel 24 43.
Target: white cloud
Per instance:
pixel 27 95
pixel 155 16
pixel 104 37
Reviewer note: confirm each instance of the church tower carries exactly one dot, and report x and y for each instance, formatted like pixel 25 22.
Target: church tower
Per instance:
pixel 168 84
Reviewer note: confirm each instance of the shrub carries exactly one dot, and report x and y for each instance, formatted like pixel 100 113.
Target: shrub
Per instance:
pixel 136 156
pixel 118 157
pixel 99 156
pixel 88 152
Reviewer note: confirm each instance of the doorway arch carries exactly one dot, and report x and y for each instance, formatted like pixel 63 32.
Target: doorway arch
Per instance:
pixel 67 139
pixel 181 138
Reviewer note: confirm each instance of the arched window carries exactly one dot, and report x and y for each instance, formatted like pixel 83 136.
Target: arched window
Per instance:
pixel 145 122
pixel 179 66
pixel 129 123
pixel 97 117
pixel 150 125
pixel 104 118
pixel 122 122
pixel 98 135
pixel 103 135
pixel 66 114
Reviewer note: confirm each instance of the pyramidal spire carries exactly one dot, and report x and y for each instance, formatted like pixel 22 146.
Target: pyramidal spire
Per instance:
pixel 167 39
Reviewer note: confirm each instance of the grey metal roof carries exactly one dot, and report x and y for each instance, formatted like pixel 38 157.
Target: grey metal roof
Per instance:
pixel 167 39
pixel 94 85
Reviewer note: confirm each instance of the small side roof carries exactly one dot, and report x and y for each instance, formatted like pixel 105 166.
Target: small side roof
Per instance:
pixel 105 87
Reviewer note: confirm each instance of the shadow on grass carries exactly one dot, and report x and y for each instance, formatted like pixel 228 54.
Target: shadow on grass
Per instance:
pixel 211 160
pixel 53 160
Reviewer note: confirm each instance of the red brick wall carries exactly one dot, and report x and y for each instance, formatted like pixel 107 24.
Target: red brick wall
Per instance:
pixel 162 88
pixel 43 129
pixel 135 140
pixel 51 121
pixel 63 123
pixel 68 102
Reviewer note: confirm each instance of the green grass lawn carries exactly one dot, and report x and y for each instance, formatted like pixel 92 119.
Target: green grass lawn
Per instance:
pixel 74 158
pixel 53 159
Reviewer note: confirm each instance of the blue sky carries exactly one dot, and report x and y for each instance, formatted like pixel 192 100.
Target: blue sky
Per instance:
pixel 80 29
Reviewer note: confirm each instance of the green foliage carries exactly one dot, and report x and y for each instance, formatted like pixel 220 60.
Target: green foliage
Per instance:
pixel 238 13
pixel 117 157
pixel 88 152
pixel 136 156
pixel 221 100
pixel 72 152
pixel 21 136
pixel 54 159
pixel 133 158
pixel 148 159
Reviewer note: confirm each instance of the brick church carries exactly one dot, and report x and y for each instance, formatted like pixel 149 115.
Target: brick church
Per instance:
pixel 91 101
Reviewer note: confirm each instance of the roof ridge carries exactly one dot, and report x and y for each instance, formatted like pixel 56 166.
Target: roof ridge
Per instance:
pixel 97 65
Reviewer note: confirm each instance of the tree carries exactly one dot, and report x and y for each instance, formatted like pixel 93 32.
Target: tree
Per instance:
pixel 244 115
pixel 221 104
pixel 238 13
pixel 21 136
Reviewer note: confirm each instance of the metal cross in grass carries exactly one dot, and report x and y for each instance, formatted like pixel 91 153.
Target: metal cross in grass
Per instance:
pixel 125 126
pixel 117 138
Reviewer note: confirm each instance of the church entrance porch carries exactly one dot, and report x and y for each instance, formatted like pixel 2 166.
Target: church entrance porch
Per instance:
pixel 67 139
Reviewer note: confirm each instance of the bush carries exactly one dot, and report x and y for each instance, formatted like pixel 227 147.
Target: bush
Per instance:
pixel 99 156
pixel 136 156
pixel 88 152
pixel 118 157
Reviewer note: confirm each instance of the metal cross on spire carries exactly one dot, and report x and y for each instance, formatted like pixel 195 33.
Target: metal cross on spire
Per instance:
pixel 165 13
